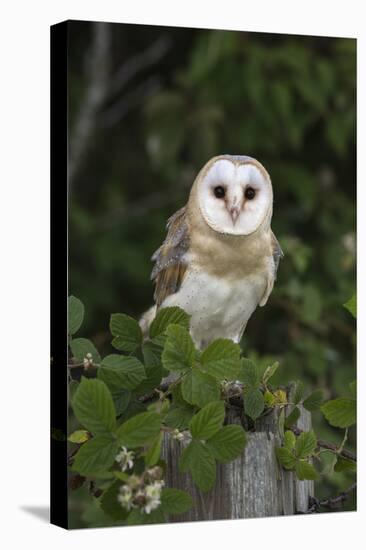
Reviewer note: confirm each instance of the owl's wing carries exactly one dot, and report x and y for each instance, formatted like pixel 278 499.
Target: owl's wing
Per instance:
pixel 277 254
pixel 170 267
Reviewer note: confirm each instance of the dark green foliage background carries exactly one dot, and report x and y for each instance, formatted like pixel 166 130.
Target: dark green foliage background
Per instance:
pixel 290 102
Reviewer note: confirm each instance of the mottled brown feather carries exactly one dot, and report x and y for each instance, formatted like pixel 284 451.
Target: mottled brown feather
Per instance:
pixel 170 267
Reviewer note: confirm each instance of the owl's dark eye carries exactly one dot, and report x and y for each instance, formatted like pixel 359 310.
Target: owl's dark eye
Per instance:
pixel 219 192
pixel 249 193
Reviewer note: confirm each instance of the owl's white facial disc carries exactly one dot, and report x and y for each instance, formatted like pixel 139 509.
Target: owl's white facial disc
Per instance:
pixel 234 199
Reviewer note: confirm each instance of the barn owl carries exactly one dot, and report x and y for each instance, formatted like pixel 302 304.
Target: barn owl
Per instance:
pixel 220 257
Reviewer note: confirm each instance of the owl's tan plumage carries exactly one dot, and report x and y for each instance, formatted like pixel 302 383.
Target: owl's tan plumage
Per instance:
pixel 215 268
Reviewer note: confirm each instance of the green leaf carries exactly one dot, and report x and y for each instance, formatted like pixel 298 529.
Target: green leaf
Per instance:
pixel 81 346
pixel 126 331
pixel 153 378
pixel 110 504
pixel 293 417
pixel 253 403
pixel 314 400
pixel 73 386
pixel 134 407
pixel 305 444
pixel 305 470
pixel 351 305
pixel 298 393
pixel 199 460
pixel 152 354
pixel 248 373
pixel 270 371
pixel 121 401
pixel 153 368
pixel 179 351
pixel 179 417
pixel 139 429
pixel 289 440
pixel 269 398
pixel 328 461
pixel 161 406
pixel 168 316
pixel 93 406
pixel 76 314
pixel 199 388
pixel 152 455
pixel 228 443
pixel 122 476
pixel 159 342
pixel 281 423
pixel 280 397
pixel 79 436
pixel 340 412
pixel 121 373
pixel 94 515
pixel 177 396
pixel 208 420
pixel 96 455
pixel 175 501
pixel 221 359
pixel 345 464
pixel 353 389
pixel 285 458
pixel 138 517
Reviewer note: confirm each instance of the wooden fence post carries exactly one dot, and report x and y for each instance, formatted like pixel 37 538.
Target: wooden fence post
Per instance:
pixel 253 485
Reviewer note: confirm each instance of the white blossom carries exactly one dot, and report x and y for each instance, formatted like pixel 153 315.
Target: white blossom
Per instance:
pixel 176 434
pixel 88 361
pixel 125 497
pixel 125 459
pixel 154 473
pixel 153 496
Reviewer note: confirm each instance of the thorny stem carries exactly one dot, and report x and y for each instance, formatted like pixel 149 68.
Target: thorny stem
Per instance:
pixel 340 449
pixel 78 365
pixel 331 502
pixel 330 446
pixel 163 393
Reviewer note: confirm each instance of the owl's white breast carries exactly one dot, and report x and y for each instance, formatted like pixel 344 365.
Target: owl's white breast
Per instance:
pixel 219 308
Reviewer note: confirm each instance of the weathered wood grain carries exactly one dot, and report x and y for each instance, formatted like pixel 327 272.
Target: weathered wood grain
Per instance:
pixel 253 485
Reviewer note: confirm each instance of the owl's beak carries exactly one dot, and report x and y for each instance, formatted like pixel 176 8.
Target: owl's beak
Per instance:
pixel 234 213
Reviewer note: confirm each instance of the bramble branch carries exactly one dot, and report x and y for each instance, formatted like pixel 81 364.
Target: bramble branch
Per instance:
pixel 331 502
pixel 330 446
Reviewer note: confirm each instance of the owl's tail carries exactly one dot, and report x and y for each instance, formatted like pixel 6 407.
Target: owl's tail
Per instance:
pixel 146 320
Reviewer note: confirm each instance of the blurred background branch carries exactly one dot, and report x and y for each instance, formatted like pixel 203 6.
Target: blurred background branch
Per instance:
pixel 101 86
pixel 96 68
